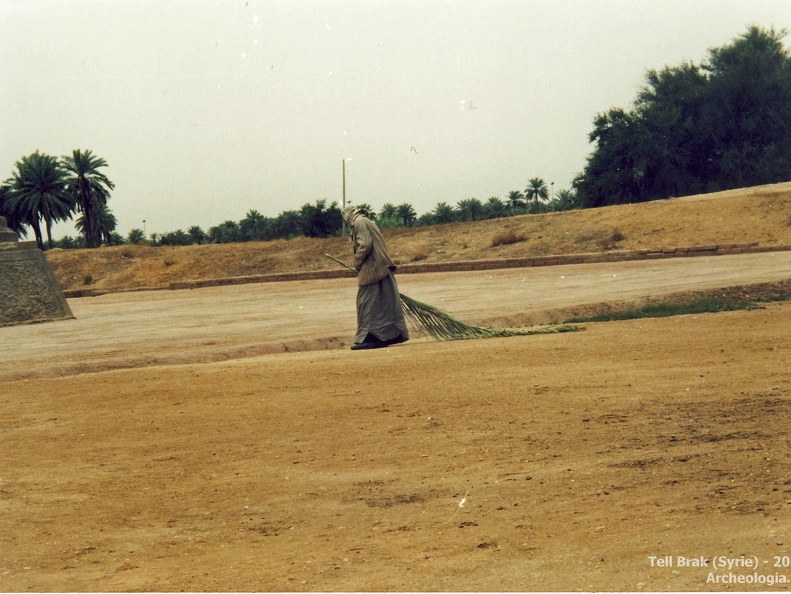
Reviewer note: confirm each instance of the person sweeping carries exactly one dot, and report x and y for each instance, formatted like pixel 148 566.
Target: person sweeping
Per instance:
pixel 382 310
pixel 380 315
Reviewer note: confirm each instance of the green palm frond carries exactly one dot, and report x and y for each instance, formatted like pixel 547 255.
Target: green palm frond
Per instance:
pixel 441 325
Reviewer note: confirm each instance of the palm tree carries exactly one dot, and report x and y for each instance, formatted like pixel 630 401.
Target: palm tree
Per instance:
pixel 406 214
pixel 565 200
pixel 253 226
pixel 89 189
pixel 12 220
pixel 515 199
pixel 197 235
pixel 66 243
pixel 495 208
pixel 444 213
pixel 105 222
pixel 367 209
pixel 135 236
pixel 225 232
pixel 287 224
pixel 470 209
pixel 536 190
pixel 107 225
pixel 388 211
pixel 37 193
pixel 177 237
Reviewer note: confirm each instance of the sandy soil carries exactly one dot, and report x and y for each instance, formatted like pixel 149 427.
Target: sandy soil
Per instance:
pixel 224 439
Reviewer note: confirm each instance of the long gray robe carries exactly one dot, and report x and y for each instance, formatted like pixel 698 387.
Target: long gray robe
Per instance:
pixel 379 311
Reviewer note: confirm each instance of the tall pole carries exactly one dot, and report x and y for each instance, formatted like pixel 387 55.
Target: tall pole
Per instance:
pixel 343 168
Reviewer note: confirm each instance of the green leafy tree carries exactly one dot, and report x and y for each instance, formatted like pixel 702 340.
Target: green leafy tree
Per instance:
pixel 89 189
pixel 693 129
pixel 386 222
pixel 538 192
pixel 614 171
pixel 37 193
pixel 749 110
pixel 320 220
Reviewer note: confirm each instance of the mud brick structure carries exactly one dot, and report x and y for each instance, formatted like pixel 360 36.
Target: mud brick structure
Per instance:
pixel 29 290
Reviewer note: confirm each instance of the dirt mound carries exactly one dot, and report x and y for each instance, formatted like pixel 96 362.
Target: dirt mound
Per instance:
pixel 761 214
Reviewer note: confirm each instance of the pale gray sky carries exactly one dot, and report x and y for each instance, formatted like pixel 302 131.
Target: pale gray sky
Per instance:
pixel 205 109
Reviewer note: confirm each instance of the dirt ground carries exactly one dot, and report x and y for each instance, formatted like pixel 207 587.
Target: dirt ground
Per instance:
pixel 224 439
pixel 555 462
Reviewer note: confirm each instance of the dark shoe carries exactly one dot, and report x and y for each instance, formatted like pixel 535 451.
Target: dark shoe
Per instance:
pixel 362 346
pixel 371 342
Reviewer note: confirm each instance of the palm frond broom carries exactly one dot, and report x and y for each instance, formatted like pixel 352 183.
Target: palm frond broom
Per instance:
pixel 441 325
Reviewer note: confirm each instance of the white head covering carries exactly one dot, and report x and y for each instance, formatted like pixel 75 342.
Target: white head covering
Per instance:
pixel 350 213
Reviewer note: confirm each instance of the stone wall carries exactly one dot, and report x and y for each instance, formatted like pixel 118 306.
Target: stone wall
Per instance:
pixel 29 290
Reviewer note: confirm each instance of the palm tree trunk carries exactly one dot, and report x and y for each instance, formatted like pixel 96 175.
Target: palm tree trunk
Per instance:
pixel 90 232
pixel 48 223
pixel 37 231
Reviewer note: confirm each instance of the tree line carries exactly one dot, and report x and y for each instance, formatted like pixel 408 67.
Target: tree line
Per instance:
pixel 44 190
pixel 723 124
pixel 695 129
pixel 322 220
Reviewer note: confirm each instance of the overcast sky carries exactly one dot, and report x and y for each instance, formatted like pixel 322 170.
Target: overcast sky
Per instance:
pixel 206 109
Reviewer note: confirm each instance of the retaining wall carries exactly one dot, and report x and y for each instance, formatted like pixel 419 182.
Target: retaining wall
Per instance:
pixel 29 290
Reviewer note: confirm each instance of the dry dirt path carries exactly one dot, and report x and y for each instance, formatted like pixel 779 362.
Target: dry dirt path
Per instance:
pixel 137 329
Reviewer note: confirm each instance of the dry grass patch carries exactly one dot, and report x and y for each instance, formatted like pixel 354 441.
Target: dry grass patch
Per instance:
pixel 601 239
pixel 610 241
pixel 507 237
